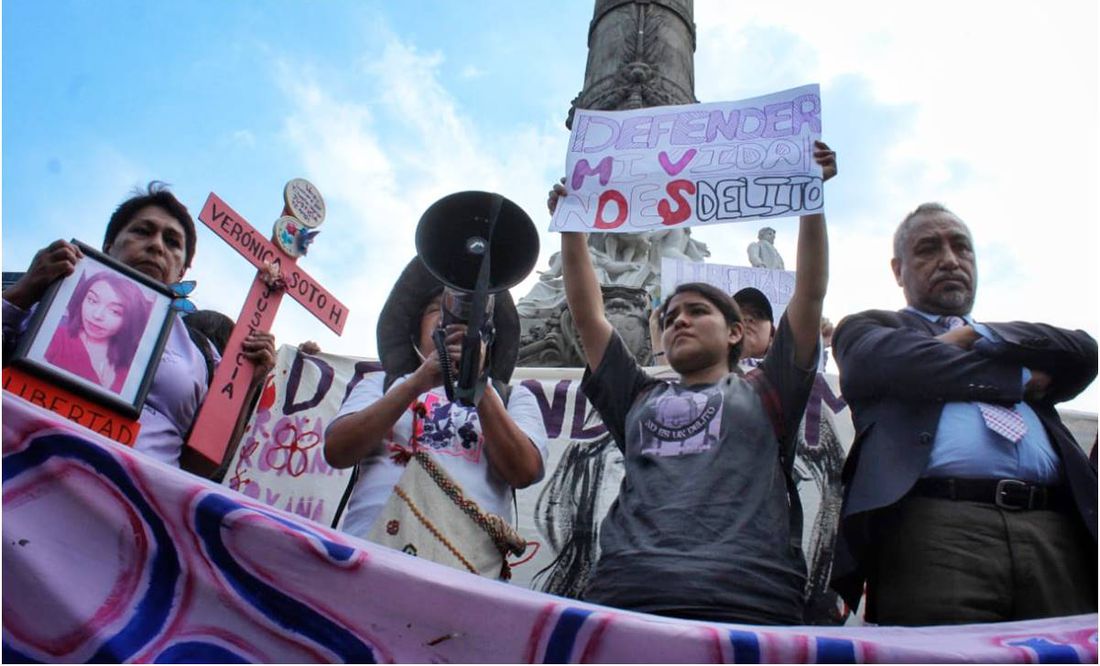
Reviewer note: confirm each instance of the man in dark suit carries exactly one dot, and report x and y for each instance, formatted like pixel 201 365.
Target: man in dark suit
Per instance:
pixel 966 498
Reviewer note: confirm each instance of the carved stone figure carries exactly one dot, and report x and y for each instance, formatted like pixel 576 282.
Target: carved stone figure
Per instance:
pixel 762 253
pixel 549 340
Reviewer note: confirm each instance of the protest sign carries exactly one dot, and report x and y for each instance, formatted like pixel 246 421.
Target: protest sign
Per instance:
pixel 777 285
pixel 678 166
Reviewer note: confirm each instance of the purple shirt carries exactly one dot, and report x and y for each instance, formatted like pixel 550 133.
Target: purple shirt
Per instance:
pixel 174 397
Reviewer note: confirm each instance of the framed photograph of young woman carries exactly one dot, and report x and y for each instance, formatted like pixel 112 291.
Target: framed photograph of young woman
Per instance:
pixel 99 332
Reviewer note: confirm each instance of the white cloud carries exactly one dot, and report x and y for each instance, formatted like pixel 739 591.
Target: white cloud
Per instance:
pixel 471 72
pixel 380 159
pixel 244 138
pixel 989 108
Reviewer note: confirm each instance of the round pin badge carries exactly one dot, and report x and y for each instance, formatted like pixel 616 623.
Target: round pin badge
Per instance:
pixel 289 234
pixel 304 202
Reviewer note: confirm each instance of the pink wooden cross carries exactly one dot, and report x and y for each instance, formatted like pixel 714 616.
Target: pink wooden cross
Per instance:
pixel 206 447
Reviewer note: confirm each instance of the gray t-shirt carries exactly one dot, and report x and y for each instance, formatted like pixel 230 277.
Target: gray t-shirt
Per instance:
pixel 702 527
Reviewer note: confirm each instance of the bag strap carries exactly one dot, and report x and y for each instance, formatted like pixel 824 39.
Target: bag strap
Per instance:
pixel 417 411
pixel 793 498
pixel 352 480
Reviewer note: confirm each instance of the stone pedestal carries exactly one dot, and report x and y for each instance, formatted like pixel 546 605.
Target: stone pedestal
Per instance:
pixel 549 340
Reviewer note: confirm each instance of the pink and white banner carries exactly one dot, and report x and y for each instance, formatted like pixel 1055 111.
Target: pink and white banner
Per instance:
pixel 111 556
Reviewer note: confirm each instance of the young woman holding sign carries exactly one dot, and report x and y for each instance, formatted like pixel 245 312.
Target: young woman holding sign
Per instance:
pixel 707 524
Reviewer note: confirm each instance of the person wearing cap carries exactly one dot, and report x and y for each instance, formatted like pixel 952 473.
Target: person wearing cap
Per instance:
pixel 489 450
pixel 966 499
pixel 707 524
pixel 153 233
pixel 757 318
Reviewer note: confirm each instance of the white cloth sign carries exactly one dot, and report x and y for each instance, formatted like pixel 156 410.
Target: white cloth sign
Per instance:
pixel 777 285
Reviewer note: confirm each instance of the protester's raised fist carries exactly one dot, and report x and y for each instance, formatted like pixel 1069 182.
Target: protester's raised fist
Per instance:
pixel 826 158
pixel 556 192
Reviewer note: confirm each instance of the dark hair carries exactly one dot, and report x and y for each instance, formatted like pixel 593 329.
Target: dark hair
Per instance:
pixel 399 325
pixel 216 326
pixel 123 344
pixel 416 318
pixel 719 299
pixel 901 235
pixel 154 194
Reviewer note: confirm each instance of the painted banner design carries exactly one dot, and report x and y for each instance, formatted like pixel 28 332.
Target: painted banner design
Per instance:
pixel 111 556
pixel 647 169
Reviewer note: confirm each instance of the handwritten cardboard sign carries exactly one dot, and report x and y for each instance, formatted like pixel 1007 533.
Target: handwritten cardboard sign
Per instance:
pixel 777 285
pixel 647 169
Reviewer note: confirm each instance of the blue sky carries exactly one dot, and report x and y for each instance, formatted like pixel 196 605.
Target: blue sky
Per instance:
pixel 988 107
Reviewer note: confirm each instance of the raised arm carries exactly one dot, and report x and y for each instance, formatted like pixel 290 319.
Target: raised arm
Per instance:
pixel 582 290
pixel 812 274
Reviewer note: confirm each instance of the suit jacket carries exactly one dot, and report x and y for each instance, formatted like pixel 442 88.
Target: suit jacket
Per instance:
pixel 896 379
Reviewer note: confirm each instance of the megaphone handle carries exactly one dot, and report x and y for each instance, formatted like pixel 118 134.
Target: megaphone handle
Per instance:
pixel 469 388
pixel 471 344
pixel 439 337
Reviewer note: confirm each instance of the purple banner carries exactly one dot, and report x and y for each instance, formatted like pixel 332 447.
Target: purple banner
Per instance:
pixel 111 556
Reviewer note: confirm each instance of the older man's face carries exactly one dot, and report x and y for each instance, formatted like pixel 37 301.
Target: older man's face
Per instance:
pixel 937 270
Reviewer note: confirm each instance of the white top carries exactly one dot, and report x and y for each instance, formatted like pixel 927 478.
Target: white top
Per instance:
pixel 452 433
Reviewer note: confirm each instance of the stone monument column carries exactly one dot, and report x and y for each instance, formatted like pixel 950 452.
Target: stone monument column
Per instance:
pixel 641 53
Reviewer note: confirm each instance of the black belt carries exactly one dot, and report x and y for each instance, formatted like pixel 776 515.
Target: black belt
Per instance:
pixel 1010 494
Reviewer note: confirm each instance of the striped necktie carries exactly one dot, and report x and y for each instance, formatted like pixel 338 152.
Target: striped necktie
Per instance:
pixel 1005 421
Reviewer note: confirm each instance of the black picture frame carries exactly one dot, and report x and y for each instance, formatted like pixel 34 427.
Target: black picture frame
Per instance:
pixel 99 332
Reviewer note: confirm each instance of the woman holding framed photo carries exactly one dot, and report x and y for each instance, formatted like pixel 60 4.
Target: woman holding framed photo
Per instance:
pixel 152 233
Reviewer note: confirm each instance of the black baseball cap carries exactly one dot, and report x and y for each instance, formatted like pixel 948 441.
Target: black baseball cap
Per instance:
pixel 756 300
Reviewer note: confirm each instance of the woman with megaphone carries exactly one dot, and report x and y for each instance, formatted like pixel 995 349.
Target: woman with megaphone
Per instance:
pixel 435 469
